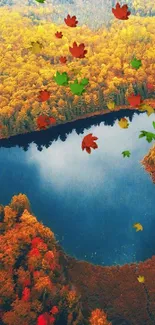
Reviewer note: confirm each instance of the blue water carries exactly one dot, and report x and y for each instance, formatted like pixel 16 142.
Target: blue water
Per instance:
pixel 89 201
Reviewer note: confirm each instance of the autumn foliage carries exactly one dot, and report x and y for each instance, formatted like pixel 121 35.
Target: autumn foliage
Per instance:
pixel 33 285
pixel 149 163
pixel 102 56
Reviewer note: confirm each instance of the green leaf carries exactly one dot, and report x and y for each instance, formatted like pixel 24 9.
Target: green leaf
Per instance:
pixel 126 153
pixel 149 136
pixel 84 81
pixel 61 78
pixel 136 64
pixel 40 1
pixel 153 124
pixel 77 88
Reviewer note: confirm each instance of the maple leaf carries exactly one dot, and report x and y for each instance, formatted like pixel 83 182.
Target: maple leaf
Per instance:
pixel 77 88
pixel 141 279
pixel 149 136
pixel 58 34
pixel 123 123
pixel 134 100
pixel 126 153
pixel 88 143
pixel 111 106
pixel 121 12
pixel 43 121
pixel 78 51
pixel 138 226
pixel 44 95
pixel 136 64
pixel 84 81
pixel 36 47
pixel 71 21
pixel 146 107
pixel 63 59
pixel 61 78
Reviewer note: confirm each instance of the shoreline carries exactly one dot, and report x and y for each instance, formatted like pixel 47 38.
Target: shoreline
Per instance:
pixel 150 101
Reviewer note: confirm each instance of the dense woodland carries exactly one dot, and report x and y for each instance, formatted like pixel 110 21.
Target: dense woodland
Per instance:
pixel 106 65
pixel 34 288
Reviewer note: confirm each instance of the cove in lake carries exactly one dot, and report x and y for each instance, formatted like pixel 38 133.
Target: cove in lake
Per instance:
pixel 89 201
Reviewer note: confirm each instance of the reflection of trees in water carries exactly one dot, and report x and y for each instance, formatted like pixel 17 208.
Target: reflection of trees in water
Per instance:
pixel 45 138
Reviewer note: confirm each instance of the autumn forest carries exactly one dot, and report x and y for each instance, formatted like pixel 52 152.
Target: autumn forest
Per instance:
pixel 106 66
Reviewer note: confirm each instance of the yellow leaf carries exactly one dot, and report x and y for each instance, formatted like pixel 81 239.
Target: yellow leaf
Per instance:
pixel 35 48
pixel 111 106
pixel 138 226
pixel 146 107
pixel 141 279
pixel 123 123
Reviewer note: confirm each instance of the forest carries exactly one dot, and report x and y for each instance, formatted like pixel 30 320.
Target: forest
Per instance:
pixel 106 66
pixel 34 288
pixel 41 285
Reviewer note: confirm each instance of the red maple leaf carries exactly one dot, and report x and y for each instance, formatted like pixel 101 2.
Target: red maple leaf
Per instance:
pixel 134 100
pixel 58 34
pixel 43 96
pixel 43 121
pixel 63 59
pixel 121 12
pixel 88 143
pixel 78 51
pixel 71 21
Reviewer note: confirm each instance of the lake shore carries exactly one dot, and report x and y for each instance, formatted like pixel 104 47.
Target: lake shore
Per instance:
pixel 149 163
pixel 106 111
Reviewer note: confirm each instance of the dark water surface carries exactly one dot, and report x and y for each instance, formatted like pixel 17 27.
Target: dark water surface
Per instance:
pixel 89 201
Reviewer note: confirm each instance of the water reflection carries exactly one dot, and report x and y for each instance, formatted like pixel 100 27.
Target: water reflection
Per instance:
pixel 90 201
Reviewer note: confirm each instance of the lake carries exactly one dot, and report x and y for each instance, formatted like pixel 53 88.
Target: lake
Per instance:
pixel 89 201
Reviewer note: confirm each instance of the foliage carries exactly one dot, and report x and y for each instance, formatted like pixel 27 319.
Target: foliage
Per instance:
pixel 107 66
pixel 33 285
pixel 98 317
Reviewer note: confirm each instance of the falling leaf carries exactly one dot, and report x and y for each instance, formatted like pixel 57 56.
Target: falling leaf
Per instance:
pixel 63 59
pixel 71 21
pixel 77 88
pixel 59 34
pixel 36 47
pixel 138 226
pixel 141 279
pixel 146 107
pixel 134 100
pixel 84 81
pixel 123 123
pixel 43 121
pixel 88 143
pixel 61 78
pixel 149 136
pixel 111 106
pixel 136 64
pixel 44 95
pixel 121 12
pixel 78 51
pixel 153 123
pixel 126 153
